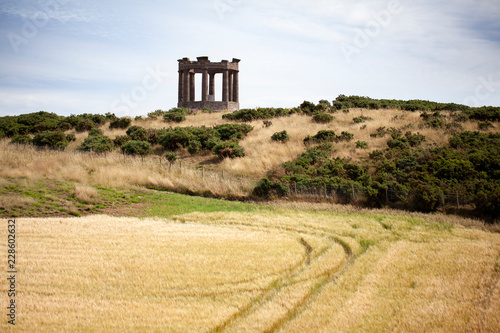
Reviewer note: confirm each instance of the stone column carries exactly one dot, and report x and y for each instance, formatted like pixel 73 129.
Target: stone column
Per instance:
pixel 180 99
pixel 211 90
pixel 236 87
pixel 225 86
pixel 186 89
pixel 230 83
pixel 204 86
pixel 191 87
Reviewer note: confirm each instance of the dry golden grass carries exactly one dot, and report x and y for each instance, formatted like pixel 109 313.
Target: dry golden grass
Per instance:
pixel 115 170
pixel 104 273
pixel 284 270
pixel 86 193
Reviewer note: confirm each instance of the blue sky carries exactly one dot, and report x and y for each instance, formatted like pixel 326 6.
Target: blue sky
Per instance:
pixel 72 57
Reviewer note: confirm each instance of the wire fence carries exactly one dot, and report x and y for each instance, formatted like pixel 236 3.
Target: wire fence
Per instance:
pixel 354 192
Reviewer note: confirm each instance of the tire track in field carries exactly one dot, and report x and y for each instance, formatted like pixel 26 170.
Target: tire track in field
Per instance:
pixel 290 294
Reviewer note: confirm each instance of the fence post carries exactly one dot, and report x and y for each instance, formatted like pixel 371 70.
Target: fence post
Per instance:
pixel 353 194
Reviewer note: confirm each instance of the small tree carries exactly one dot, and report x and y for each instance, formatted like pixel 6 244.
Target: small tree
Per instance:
pixel 171 158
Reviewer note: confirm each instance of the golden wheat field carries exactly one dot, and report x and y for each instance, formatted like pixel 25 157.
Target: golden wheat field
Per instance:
pixel 285 270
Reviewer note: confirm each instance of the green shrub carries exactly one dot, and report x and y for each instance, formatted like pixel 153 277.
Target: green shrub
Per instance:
pixel 322 118
pixel 321 136
pixel 376 155
pixel 177 114
pixel 134 147
pixel 51 139
pixel 84 125
pixel 21 139
pixel 175 138
pixel 361 119
pixel 171 157
pixel 307 107
pixel 174 117
pixel 280 136
pixel 122 122
pixel 95 131
pixel 485 125
pixel 229 149
pixel 137 133
pixel 97 143
pixel 194 147
pixel 155 114
pixel 266 188
pixel 70 137
pixel 120 140
pixel 380 133
pixel 230 131
pixel 362 144
pixel 345 136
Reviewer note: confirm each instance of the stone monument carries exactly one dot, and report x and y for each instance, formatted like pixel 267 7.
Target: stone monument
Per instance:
pixel 230 85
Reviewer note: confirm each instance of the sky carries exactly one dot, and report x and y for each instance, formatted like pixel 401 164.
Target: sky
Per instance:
pixel 76 56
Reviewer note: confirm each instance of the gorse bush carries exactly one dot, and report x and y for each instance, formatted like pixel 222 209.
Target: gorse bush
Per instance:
pixel 137 133
pixel 177 114
pixel 21 139
pixel 141 148
pixel 282 136
pixel 258 113
pixel 122 123
pixel 51 139
pixel 97 143
pixel 229 149
pixel 323 118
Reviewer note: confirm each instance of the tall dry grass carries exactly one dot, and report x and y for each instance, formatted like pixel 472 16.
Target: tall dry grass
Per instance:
pixel 115 170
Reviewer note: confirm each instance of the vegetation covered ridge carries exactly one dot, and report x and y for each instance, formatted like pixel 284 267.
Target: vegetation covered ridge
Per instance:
pixel 416 155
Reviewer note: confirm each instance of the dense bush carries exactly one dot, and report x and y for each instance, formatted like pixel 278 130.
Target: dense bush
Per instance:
pixel 230 131
pixel 177 114
pixel 84 125
pixel 120 140
pixel 97 143
pixel 51 139
pixel 258 113
pixel 137 133
pixel 96 131
pixel 266 188
pixel 280 136
pixel 21 139
pixel 141 148
pixel 122 123
pixel 322 118
pixel 229 149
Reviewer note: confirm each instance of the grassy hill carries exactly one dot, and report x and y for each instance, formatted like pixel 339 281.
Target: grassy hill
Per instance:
pixel 373 156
